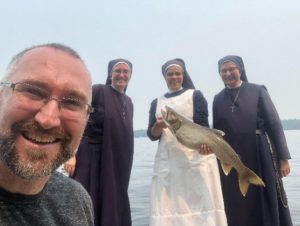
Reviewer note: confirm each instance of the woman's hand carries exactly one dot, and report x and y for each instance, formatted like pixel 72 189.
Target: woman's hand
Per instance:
pixel 285 168
pixel 69 166
pixel 158 127
pixel 205 150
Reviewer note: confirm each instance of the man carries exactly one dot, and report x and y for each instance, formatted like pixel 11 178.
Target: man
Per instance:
pixel 45 100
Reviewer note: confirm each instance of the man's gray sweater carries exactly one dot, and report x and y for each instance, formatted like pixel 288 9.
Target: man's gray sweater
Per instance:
pixel 62 202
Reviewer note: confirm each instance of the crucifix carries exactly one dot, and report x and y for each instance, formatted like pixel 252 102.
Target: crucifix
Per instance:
pixel 232 108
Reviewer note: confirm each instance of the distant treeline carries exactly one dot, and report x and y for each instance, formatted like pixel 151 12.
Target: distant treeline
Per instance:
pixel 289 124
pixel 140 133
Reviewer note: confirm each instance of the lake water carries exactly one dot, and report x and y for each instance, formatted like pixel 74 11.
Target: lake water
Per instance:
pixel 140 183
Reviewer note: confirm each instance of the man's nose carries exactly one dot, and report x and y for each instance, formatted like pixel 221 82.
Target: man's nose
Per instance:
pixel 49 114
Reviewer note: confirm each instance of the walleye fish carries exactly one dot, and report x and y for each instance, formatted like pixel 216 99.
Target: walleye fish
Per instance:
pixel 193 135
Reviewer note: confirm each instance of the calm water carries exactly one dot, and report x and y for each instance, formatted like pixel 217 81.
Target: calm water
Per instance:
pixel 139 189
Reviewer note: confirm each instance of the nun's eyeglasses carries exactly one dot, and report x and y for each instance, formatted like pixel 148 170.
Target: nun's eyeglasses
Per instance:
pixel 230 70
pixel 124 72
pixel 34 97
pixel 170 74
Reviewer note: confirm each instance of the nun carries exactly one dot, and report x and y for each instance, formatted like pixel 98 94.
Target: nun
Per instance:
pixel 104 159
pixel 186 188
pixel 247 115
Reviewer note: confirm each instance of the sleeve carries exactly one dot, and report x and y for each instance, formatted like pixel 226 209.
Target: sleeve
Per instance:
pixel 273 124
pixel 152 120
pixel 200 109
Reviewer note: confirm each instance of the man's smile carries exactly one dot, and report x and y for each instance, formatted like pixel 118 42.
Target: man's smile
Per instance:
pixel 40 138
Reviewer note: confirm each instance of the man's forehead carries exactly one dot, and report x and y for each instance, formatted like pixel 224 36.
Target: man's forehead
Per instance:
pixel 60 66
pixel 41 54
pixel 50 58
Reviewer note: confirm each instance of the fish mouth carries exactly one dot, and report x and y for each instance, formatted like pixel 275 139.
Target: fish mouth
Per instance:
pixel 170 113
pixel 170 119
pixel 40 138
pixel 165 116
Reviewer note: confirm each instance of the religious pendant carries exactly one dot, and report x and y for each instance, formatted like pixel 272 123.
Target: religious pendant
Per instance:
pixel 123 114
pixel 232 108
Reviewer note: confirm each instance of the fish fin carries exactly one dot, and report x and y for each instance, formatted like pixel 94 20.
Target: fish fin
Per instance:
pixel 226 168
pixel 244 185
pixel 220 133
pixel 249 177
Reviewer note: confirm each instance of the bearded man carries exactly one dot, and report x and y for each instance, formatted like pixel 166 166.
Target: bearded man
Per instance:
pixel 45 100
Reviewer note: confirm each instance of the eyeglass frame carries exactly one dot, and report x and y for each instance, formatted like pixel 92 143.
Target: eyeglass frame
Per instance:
pixel 230 70
pixel 119 72
pixel 89 109
pixel 176 74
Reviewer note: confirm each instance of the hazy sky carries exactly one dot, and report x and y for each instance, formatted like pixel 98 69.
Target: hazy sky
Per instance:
pixel 149 32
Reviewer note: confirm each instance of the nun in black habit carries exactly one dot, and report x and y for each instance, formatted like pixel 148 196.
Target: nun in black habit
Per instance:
pixel 105 155
pixel 247 115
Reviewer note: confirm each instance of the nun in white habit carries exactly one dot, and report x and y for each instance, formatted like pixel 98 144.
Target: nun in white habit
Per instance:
pixel 186 189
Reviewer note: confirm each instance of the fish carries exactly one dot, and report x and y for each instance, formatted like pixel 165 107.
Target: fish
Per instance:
pixel 193 135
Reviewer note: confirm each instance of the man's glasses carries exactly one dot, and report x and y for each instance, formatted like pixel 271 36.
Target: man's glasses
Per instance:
pixel 230 70
pixel 36 97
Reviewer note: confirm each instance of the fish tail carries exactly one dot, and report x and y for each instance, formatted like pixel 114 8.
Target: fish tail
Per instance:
pixel 248 177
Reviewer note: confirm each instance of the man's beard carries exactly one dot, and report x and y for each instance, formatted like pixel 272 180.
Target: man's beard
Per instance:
pixel 37 164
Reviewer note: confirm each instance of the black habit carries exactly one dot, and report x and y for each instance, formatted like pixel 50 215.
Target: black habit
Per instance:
pixel 104 158
pixel 255 132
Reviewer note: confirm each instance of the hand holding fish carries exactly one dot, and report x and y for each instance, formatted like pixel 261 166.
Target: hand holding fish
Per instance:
pixel 158 127
pixel 205 150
